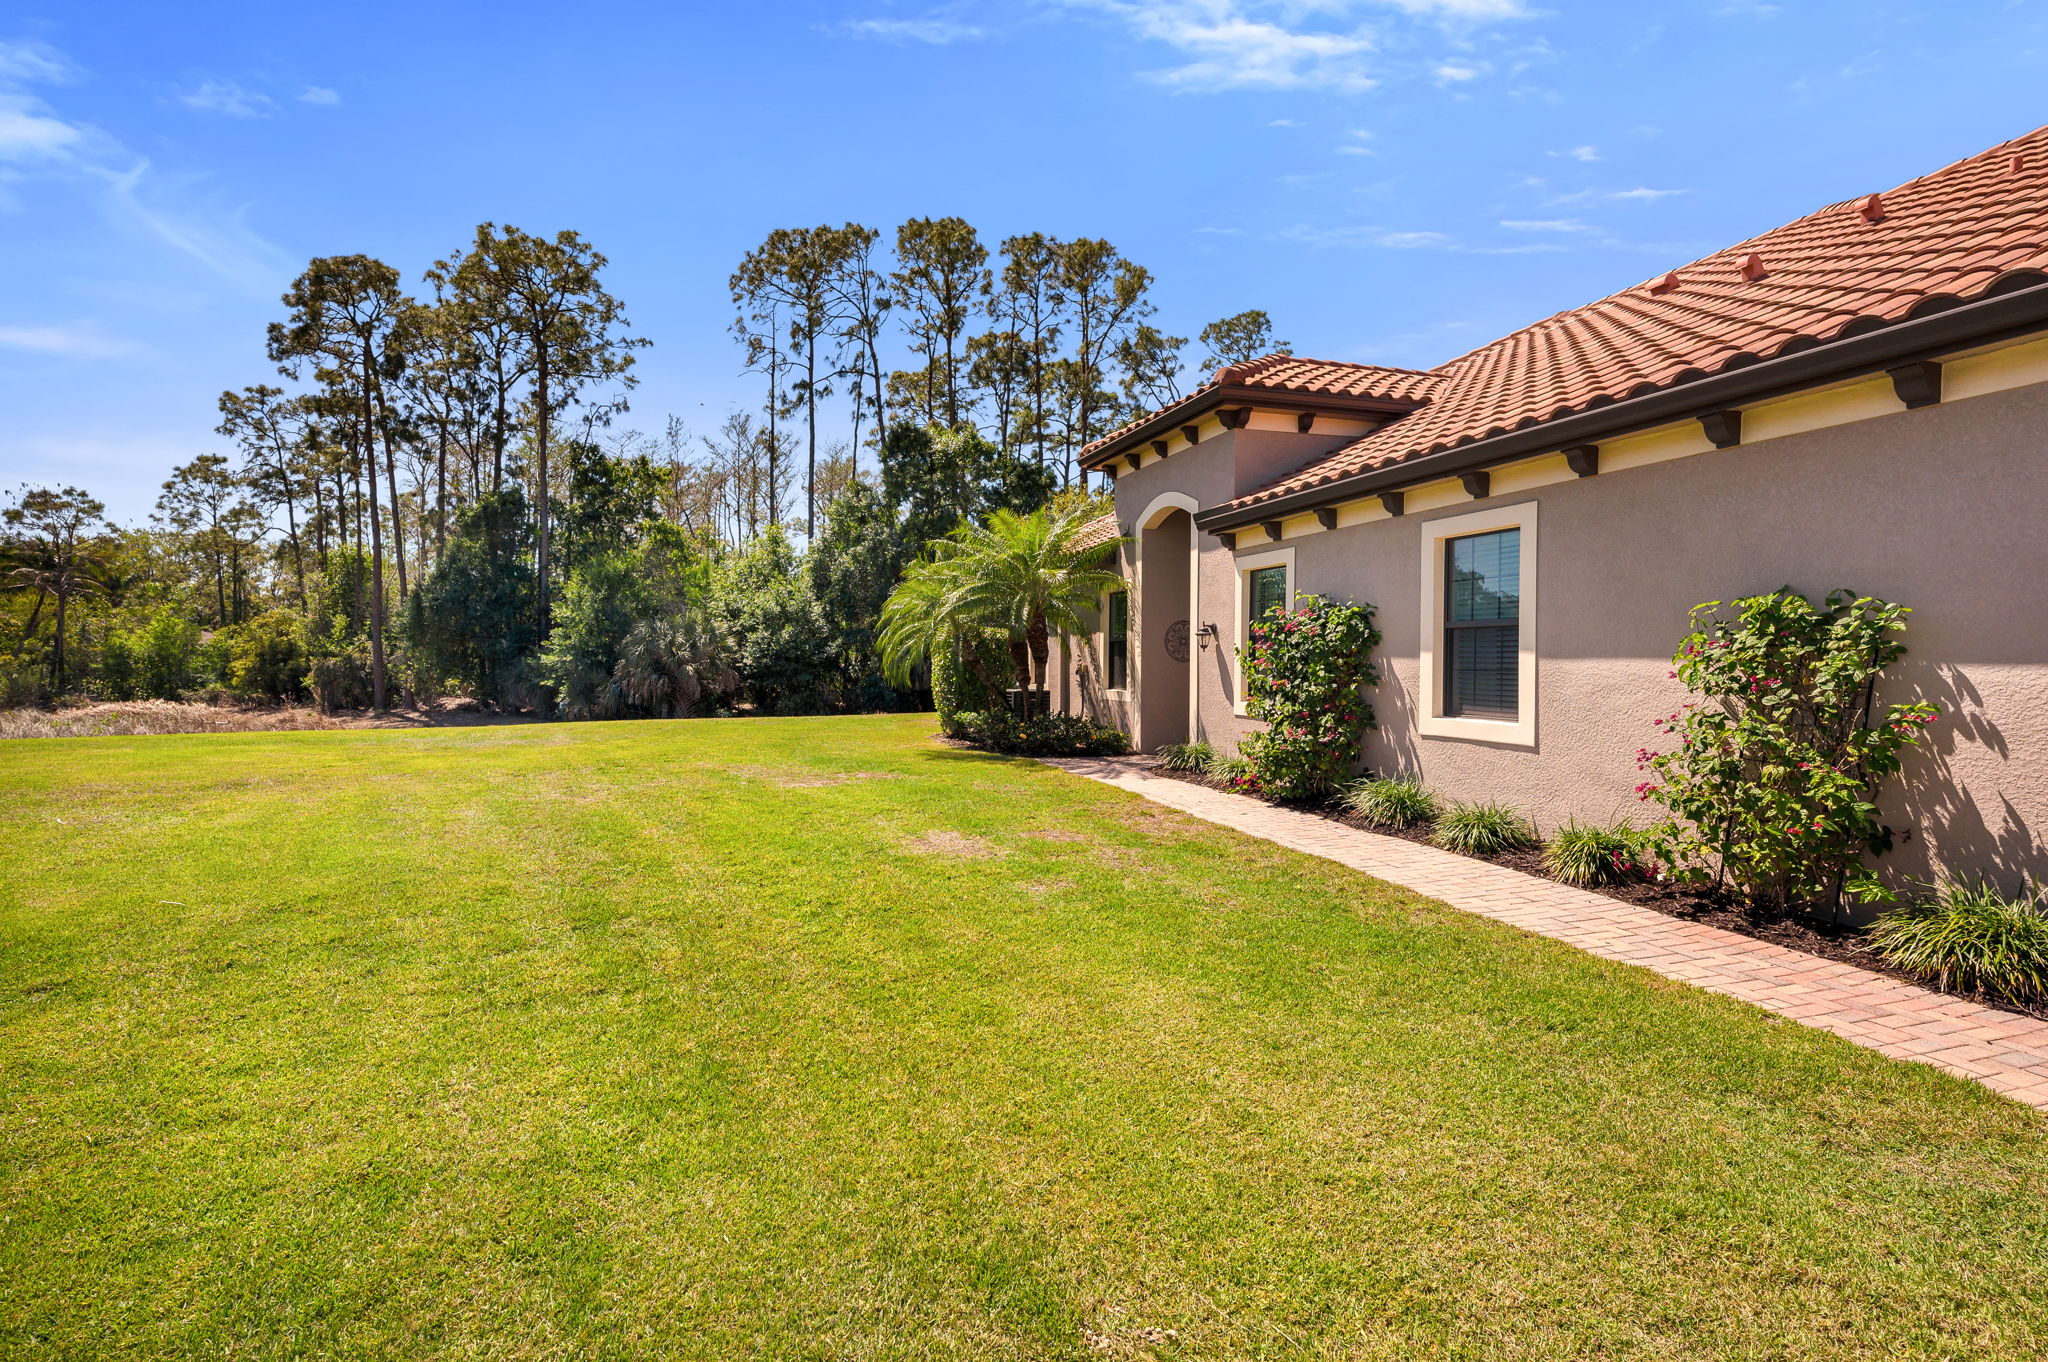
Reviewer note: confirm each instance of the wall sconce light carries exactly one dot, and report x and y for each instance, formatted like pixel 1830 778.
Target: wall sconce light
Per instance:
pixel 1205 635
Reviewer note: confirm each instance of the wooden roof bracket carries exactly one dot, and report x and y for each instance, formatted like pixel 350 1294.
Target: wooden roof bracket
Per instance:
pixel 1583 460
pixel 1917 384
pixel 1723 429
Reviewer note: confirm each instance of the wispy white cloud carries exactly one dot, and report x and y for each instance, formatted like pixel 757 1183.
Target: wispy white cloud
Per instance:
pixel 1545 225
pixel 1337 46
pixel 319 94
pixel 1219 231
pixel 1469 11
pixel 1285 123
pixel 75 340
pixel 31 131
pixel 174 212
pixel 1370 237
pixel 226 97
pixel 935 31
pixel 32 63
pixel 1582 153
pixel 1640 194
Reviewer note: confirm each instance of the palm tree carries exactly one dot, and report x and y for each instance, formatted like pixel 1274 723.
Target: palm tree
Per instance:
pixel 1020 576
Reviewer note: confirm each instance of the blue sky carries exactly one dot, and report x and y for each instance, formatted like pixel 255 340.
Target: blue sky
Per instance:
pixel 1394 180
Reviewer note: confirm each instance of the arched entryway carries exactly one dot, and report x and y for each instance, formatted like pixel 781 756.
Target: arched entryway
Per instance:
pixel 1165 623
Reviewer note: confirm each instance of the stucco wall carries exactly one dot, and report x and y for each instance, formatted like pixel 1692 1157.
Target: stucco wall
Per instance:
pixel 1941 509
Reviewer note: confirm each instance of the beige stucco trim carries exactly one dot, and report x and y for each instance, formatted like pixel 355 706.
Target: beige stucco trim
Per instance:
pixel 1246 564
pixel 1431 721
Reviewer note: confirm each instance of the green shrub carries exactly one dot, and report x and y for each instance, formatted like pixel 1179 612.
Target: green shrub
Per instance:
pixel 1389 803
pixel 1047 735
pixel 1970 936
pixel 1305 673
pixel 268 659
pixel 1235 772
pixel 1587 854
pixel 1482 829
pixel 1773 776
pixel 1186 756
pixel 162 654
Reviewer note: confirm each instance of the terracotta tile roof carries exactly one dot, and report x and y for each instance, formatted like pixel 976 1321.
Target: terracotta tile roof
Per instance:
pixel 1089 533
pixel 1292 376
pixel 1874 259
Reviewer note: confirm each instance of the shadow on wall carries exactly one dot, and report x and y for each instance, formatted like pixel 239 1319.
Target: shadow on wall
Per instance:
pixel 1948 824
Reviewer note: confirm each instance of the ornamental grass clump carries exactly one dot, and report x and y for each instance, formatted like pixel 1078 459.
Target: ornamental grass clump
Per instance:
pixel 1773 780
pixel 1482 829
pixel 1186 756
pixel 1969 936
pixel 1588 854
pixel 1383 803
pixel 1235 772
pixel 1304 673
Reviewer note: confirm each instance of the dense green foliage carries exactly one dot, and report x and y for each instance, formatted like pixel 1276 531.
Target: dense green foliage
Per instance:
pixel 564 1055
pixel 1384 802
pixel 1305 671
pixel 436 501
pixel 1589 854
pixel 1193 757
pixel 1481 829
pixel 1773 778
pixel 1971 936
pixel 1042 735
pixel 1008 582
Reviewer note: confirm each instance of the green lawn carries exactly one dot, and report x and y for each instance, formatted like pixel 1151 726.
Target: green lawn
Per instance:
pixel 664 1040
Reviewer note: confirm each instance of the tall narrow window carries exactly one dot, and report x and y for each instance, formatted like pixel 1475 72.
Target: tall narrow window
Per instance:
pixel 1266 588
pixel 1117 632
pixel 1482 625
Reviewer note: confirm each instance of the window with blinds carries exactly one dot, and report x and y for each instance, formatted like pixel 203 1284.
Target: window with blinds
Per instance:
pixel 1117 632
pixel 1482 625
pixel 1265 588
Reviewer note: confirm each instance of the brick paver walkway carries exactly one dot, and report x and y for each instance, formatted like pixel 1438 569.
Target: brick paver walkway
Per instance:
pixel 2003 1051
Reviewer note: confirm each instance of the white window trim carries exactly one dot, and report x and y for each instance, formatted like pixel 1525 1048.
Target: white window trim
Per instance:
pixel 1431 721
pixel 1122 692
pixel 1247 564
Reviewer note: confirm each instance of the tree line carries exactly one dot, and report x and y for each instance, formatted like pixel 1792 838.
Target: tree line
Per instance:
pixel 436 494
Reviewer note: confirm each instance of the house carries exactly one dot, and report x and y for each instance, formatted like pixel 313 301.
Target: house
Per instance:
pixel 1859 398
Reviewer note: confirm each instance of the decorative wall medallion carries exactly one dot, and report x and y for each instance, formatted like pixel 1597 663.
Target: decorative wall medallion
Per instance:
pixel 1177 640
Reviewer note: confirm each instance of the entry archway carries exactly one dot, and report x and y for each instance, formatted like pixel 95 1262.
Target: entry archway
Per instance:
pixel 1165 598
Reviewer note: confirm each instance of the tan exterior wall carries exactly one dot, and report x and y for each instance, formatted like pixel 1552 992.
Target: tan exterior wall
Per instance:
pixel 1942 509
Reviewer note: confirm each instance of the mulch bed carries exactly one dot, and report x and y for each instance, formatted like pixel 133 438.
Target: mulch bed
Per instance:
pixel 1841 942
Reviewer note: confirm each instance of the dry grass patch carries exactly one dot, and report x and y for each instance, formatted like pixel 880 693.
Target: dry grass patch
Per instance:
pixel 153 718
pixel 960 845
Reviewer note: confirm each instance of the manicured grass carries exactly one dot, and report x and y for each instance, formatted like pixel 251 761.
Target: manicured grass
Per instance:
pixel 656 1040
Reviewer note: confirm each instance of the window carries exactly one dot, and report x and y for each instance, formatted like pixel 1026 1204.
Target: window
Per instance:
pixel 1265 588
pixel 1479 613
pixel 1264 580
pixel 1482 624
pixel 1117 634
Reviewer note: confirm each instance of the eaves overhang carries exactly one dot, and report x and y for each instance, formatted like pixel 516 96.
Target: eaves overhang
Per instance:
pixel 1943 325
pixel 1235 395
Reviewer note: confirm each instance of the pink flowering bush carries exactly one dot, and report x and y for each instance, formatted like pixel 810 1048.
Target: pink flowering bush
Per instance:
pixel 1772 777
pixel 1304 670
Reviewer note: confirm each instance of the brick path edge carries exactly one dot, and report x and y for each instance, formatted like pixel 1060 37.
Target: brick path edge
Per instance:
pixel 2005 1052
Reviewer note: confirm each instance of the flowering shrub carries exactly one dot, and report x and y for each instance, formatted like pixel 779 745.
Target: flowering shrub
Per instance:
pixel 1776 766
pixel 1303 670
